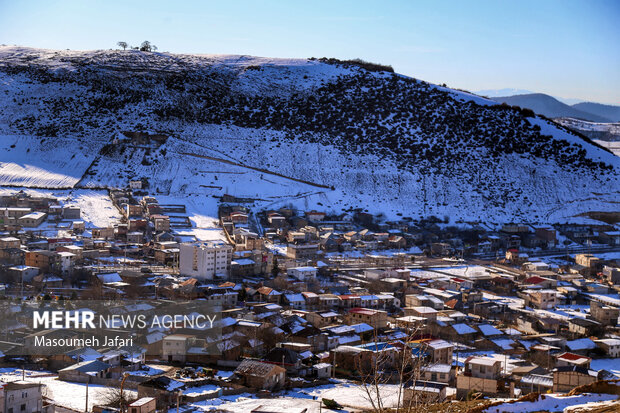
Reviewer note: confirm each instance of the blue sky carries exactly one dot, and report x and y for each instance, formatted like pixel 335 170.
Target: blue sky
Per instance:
pixel 565 48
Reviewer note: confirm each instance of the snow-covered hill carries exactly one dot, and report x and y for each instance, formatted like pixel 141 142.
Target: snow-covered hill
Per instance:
pixel 314 133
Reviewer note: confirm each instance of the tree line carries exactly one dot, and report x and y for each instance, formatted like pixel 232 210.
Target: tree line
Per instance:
pixel 145 46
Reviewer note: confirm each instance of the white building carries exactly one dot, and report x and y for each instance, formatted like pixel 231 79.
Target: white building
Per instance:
pixel 66 261
pixel 611 346
pixel 302 273
pixel 205 260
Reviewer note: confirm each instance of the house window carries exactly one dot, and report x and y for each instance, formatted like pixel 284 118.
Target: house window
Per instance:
pixel 22 407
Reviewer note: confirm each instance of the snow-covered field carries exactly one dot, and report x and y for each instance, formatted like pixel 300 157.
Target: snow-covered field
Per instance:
pixel 551 403
pixel 350 395
pixel 66 394
pixel 54 163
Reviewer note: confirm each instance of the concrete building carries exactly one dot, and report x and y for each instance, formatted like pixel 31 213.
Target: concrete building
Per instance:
pixel 21 397
pixel 71 212
pixel 32 220
pixel 143 405
pixel 604 314
pixel 260 376
pixel 302 273
pixel 482 374
pixel 205 260
pixel 611 346
pixel 301 251
pixel 543 299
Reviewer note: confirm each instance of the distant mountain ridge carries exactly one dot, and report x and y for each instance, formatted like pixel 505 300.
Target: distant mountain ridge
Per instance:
pixel 493 93
pixel 552 108
pixel 606 111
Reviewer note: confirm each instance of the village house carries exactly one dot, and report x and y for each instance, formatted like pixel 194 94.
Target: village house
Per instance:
pixel 566 378
pixel 143 405
pixel 604 314
pixel 424 392
pixel 302 273
pixel 544 299
pixel 582 327
pixel 482 374
pixel 428 313
pixel 611 346
pixel 302 251
pixel 82 372
pixel 32 220
pixel 9 242
pixel 570 359
pixel 21 396
pixel 322 318
pixel 377 319
pixel 611 274
pixel 437 372
pixel 259 375
pixel 161 223
pixel 440 351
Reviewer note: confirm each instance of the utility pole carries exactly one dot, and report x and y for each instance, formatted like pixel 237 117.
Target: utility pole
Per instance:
pixel 86 406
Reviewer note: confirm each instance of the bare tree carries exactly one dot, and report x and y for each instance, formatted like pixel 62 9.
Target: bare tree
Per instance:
pixel 146 46
pixel 113 397
pixel 123 45
pixel 398 363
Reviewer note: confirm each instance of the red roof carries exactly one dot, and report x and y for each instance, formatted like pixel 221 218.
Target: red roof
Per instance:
pixel 451 303
pixel 535 280
pixel 348 297
pixel 571 356
pixel 365 311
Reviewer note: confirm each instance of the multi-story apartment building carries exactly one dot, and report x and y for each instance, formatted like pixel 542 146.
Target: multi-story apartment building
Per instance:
pixel 543 299
pixel 205 260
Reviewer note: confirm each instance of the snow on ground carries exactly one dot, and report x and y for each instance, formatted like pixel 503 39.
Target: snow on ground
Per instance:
pixel 202 213
pixel 245 403
pixel 605 406
pixel 66 394
pixel 96 207
pixel 348 394
pixel 512 302
pixel 351 394
pixel 551 403
pixel 611 364
pixel 54 163
pixel 196 391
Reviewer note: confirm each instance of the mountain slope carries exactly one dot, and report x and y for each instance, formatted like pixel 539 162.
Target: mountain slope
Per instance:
pixel 312 133
pixel 606 111
pixel 550 107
